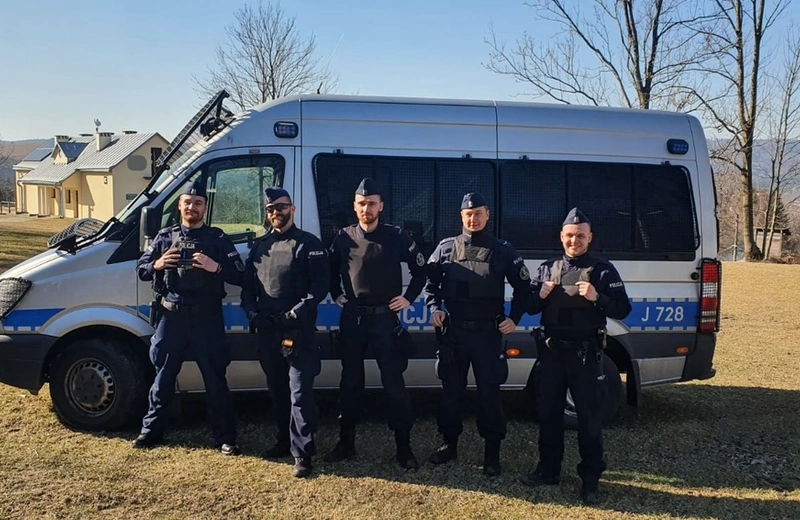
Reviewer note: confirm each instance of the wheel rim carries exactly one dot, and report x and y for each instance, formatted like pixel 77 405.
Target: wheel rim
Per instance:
pixel 90 386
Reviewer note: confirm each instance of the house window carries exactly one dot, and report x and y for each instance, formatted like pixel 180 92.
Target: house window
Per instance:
pixel 69 196
pixel 155 153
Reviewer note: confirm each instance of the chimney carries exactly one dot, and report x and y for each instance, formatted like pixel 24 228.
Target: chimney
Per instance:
pixel 102 139
pixel 61 138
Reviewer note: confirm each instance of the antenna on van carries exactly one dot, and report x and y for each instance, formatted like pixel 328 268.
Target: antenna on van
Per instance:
pixel 319 88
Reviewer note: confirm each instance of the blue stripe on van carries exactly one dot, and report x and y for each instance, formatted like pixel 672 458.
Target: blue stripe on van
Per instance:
pixel 663 314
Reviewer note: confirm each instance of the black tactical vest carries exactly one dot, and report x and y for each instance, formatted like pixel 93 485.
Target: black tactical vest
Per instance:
pixel 374 271
pixel 567 314
pixel 185 278
pixel 279 275
pixel 471 277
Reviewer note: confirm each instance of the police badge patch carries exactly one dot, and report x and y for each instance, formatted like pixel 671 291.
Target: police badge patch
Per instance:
pixel 239 265
pixel 524 273
pixel 420 259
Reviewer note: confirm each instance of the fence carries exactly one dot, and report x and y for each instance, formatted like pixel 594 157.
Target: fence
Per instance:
pixel 8 207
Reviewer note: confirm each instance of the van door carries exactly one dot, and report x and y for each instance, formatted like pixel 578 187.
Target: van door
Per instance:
pixel 235 183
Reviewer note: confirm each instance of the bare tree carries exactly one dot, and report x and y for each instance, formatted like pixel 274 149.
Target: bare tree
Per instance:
pixel 7 191
pixel 737 47
pixel 265 58
pixel 640 52
pixel 784 124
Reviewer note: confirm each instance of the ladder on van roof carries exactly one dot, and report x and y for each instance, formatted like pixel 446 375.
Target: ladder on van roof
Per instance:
pixel 199 127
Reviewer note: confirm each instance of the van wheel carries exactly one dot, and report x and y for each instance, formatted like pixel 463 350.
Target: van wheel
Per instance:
pixel 611 399
pixel 99 384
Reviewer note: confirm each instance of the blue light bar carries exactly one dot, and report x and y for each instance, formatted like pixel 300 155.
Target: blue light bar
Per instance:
pixel 677 146
pixel 285 129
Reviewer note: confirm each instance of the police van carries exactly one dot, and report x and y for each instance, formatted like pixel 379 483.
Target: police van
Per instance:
pixel 76 316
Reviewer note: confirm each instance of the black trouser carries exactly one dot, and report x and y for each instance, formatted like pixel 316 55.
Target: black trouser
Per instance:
pixel 482 349
pixel 291 384
pixel 357 333
pixel 202 333
pixel 557 369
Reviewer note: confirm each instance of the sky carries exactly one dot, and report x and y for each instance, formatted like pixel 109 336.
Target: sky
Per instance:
pixel 130 63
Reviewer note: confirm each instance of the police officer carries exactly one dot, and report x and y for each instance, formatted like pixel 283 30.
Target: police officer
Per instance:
pixel 286 276
pixel 367 282
pixel 188 264
pixel 467 273
pixel 575 294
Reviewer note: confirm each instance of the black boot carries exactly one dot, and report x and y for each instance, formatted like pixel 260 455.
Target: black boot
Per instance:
pixel 405 457
pixel 447 451
pixel 540 477
pixel 590 494
pixel 302 467
pixel 491 458
pixel 144 442
pixel 345 448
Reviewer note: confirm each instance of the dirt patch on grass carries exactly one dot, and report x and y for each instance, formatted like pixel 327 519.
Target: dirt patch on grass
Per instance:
pixel 723 448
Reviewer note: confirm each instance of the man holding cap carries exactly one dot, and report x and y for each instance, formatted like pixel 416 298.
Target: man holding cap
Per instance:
pixel 467 274
pixel 286 276
pixel 367 281
pixel 188 265
pixel 575 293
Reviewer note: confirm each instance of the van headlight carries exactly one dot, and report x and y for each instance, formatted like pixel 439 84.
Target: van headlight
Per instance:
pixel 11 292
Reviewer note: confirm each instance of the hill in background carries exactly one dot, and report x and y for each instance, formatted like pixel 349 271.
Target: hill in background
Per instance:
pixel 15 151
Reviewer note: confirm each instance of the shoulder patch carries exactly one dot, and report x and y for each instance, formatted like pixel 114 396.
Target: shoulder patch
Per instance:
pixel 420 260
pixel 524 274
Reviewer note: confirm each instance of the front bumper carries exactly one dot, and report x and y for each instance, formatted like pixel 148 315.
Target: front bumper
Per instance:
pixel 22 359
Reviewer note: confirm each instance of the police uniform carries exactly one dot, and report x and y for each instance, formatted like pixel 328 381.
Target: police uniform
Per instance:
pixel 286 276
pixel 572 358
pixel 365 267
pixel 467 274
pixel 191 322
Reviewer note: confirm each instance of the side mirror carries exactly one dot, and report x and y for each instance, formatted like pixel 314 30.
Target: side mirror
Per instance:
pixel 149 224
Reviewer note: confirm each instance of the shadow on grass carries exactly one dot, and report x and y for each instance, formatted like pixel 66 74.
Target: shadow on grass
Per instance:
pixel 726 441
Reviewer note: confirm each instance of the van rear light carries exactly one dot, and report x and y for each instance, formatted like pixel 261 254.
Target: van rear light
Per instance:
pixel 11 292
pixel 710 295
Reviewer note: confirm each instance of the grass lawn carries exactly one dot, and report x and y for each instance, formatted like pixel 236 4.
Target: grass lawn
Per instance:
pixel 725 448
pixel 22 237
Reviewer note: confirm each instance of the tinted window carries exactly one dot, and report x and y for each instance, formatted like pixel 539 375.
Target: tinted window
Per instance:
pixel 633 208
pixel 421 195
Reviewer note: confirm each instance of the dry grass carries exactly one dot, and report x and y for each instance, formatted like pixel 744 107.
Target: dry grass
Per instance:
pixel 725 448
pixel 22 237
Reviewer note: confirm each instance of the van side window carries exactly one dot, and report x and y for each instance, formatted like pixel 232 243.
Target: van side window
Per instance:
pixel 637 210
pixel 235 194
pixel 422 195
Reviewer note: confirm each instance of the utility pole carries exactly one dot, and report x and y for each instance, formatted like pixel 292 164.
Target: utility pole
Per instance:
pixel 735 236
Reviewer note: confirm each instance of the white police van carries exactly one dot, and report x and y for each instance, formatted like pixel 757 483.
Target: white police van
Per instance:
pixel 76 316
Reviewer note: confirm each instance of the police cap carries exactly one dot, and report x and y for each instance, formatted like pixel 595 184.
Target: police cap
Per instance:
pixel 368 187
pixel 196 188
pixel 473 200
pixel 575 216
pixel 273 194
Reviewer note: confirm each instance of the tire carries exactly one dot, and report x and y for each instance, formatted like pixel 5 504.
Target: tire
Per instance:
pixel 99 384
pixel 611 402
pixel 612 397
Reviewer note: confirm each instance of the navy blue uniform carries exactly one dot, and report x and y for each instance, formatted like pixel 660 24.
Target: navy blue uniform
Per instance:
pixel 573 357
pixel 467 274
pixel 365 267
pixel 191 322
pixel 288 273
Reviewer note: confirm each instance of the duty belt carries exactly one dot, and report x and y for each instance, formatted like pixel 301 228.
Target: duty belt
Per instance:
pixel 473 325
pixel 184 309
pixel 367 310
